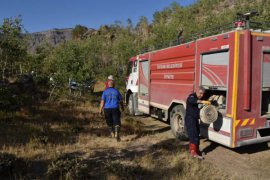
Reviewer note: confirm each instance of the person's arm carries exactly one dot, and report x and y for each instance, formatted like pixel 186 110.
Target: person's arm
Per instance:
pixel 199 101
pixel 102 102
pixel 204 102
pixel 101 106
pixel 192 100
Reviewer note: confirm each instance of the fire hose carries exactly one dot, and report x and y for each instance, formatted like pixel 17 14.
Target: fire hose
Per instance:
pixel 208 114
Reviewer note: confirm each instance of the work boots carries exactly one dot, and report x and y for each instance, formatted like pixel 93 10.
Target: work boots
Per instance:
pixel 194 151
pixel 116 135
pixel 199 152
pixel 112 134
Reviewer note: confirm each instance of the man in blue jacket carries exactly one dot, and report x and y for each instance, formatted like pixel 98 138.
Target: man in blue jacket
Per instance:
pixel 111 99
pixel 192 121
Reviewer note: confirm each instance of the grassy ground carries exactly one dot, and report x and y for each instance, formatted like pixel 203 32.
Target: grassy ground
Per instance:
pixel 68 140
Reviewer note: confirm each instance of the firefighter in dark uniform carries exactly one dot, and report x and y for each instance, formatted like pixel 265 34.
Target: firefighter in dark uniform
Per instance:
pixel 192 120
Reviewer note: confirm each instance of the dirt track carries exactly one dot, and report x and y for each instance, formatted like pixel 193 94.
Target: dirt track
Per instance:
pixel 249 162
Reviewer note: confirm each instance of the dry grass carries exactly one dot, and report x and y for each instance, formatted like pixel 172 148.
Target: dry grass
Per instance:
pixel 161 164
pixel 70 141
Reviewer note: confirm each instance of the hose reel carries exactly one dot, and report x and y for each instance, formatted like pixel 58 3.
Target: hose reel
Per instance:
pixel 208 114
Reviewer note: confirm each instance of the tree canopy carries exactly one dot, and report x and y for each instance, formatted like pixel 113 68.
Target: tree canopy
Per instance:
pixel 13 50
pixel 107 49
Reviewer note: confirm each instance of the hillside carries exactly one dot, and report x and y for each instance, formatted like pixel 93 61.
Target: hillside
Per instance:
pixel 52 37
pixel 166 23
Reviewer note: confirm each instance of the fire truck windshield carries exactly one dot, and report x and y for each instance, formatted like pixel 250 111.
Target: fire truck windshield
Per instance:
pixel 129 68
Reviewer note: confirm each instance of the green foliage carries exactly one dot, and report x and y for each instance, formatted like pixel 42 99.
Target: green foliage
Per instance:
pixel 79 31
pixel 13 50
pixel 37 61
pixel 72 60
pixel 106 50
pixel 14 95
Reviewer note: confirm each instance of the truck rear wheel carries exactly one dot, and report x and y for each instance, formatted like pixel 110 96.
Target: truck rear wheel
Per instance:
pixel 177 122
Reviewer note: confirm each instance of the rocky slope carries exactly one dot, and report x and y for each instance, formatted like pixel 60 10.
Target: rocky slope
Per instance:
pixel 52 37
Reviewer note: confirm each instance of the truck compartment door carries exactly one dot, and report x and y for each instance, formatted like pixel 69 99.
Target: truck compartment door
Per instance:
pixel 143 98
pixel 265 101
pixel 214 71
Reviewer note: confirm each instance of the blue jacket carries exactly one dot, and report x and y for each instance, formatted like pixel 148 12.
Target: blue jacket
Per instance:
pixel 111 98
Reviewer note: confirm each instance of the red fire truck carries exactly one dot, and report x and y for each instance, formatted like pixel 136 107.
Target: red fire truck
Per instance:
pixel 233 67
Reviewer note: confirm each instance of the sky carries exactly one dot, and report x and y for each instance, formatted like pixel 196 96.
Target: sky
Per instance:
pixel 42 15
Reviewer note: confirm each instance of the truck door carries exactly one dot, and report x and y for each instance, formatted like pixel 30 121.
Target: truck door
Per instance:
pixel 265 101
pixel 215 69
pixel 214 76
pixel 143 98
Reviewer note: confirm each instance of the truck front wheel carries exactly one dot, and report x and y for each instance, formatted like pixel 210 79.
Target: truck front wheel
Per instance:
pixel 177 122
pixel 131 104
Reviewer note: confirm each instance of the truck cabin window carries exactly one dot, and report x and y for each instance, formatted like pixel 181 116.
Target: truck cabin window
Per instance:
pixel 129 68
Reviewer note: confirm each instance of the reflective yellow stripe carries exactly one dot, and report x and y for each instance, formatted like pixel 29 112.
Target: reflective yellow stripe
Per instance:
pixel 235 84
pixel 235 74
pixel 237 122
pixel 245 122
pixel 259 34
pixel 253 121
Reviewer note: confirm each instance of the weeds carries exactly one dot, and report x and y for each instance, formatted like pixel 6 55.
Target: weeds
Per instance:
pixel 68 167
pixel 130 126
pixel 68 128
pixel 38 141
pixel 125 171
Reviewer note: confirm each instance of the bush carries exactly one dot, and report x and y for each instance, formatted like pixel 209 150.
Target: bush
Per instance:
pixel 8 101
pixel 11 167
pixel 68 167
pixel 124 171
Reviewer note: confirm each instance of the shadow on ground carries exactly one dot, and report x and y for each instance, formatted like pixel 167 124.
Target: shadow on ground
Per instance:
pixel 49 123
pixel 251 149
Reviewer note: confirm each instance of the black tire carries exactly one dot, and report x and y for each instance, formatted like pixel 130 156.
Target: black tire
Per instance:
pixel 177 122
pixel 131 105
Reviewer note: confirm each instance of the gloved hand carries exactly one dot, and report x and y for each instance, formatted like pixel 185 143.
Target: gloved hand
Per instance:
pixel 206 102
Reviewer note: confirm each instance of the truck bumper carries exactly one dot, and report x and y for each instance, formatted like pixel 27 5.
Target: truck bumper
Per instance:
pixel 253 141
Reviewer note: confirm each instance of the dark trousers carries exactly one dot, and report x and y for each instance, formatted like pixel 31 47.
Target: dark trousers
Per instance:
pixel 193 129
pixel 112 116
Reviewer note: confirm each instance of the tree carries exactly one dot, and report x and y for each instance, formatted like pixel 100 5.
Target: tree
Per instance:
pixel 79 31
pixel 13 51
pixel 143 29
